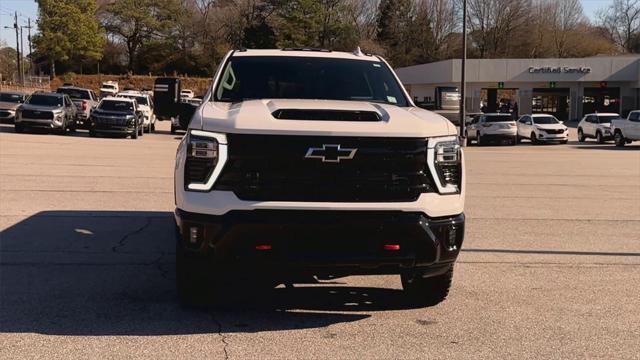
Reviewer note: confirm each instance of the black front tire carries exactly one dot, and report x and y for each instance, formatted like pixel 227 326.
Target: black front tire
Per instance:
pixel 429 291
pixel 479 139
pixel 134 134
pixel 581 137
pixel 534 138
pixel 619 139
pixel 173 129
pixel 19 128
pixel 599 138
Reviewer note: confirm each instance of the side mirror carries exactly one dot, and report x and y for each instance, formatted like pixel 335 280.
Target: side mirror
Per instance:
pixel 186 113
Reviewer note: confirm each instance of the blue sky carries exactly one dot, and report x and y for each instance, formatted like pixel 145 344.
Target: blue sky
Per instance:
pixel 29 8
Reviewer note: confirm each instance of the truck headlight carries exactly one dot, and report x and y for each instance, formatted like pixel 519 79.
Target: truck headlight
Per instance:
pixel 206 155
pixel 445 163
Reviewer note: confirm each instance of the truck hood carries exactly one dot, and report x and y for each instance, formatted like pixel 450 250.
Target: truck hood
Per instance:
pixel 8 105
pixel 257 117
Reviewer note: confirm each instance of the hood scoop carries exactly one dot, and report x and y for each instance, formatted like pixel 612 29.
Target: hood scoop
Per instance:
pixel 327 115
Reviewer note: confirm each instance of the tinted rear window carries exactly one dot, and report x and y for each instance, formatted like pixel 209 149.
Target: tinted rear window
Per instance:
pixel 498 118
pixel 75 93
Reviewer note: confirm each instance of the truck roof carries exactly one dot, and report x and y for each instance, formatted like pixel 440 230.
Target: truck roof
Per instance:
pixel 307 52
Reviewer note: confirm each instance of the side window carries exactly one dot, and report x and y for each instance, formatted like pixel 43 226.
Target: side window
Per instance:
pixel 635 116
pixel 591 119
pixel 523 120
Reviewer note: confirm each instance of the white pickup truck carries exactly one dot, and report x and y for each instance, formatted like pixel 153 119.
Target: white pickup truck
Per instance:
pixel 626 130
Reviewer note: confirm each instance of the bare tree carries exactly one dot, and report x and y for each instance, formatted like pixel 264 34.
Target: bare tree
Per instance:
pixel 444 18
pixel 622 23
pixel 564 16
pixel 496 25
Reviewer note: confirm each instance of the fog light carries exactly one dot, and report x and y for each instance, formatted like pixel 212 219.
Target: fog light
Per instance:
pixel 193 235
pixel 452 237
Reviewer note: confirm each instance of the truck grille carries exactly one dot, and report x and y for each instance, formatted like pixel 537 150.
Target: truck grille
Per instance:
pixel 274 167
pixel 37 114
pixel 554 131
pixel 110 121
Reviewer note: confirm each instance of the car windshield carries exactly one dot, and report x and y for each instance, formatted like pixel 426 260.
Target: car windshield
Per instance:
pixel 113 105
pixel 295 77
pixel 75 93
pixel 45 100
pixel 605 119
pixel 498 118
pixel 12 98
pixel 545 120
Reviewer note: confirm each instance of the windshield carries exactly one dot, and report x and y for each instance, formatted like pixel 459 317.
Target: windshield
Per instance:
pixel 45 100
pixel 108 87
pixel 277 77
pixel 12 98
pixel 75 93
pixel 545 120
pixel 142 100
pixel 605 119
pixel 112 105
pixel 498 118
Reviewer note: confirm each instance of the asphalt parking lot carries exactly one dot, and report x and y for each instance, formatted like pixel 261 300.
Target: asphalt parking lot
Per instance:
pixel 550 266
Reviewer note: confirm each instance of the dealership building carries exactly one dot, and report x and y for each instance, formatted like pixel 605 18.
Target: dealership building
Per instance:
pixel 567 88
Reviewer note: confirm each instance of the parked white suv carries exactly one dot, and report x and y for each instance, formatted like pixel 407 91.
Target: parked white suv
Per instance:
pixel 145 105
pixel 626 130
pixel 304 162
pixel 541 128
pixel 491 127
pixel 597 126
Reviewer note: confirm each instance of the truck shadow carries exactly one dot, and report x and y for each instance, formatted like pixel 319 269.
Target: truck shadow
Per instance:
pixel 112 273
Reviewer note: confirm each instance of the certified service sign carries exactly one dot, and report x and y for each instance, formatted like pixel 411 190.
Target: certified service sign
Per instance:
pixel 559 70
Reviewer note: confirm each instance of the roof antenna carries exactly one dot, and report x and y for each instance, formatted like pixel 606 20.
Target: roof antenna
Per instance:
pixel 358 52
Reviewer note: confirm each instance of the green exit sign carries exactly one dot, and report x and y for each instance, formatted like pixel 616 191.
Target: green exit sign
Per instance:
pixel 500 85
pixel 552 84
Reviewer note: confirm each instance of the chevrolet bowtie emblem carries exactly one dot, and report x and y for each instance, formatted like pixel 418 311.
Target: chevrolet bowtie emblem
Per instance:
pixel 330 153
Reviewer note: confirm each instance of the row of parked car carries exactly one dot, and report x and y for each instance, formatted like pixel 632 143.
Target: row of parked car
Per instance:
pixel 128 112
pixel 545 128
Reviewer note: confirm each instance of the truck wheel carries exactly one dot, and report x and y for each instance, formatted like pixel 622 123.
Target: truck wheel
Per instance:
pixel 581 137
pixel 426 291
pixel 599 138
pixel 134 134
pixel 193 280
pixel 620 141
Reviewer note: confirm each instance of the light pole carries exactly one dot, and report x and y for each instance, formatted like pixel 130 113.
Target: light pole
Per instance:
pixel 463 82
pixel 15 26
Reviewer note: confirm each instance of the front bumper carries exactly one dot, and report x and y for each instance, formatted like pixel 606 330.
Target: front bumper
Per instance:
pixel 323 242
pixel 39 123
